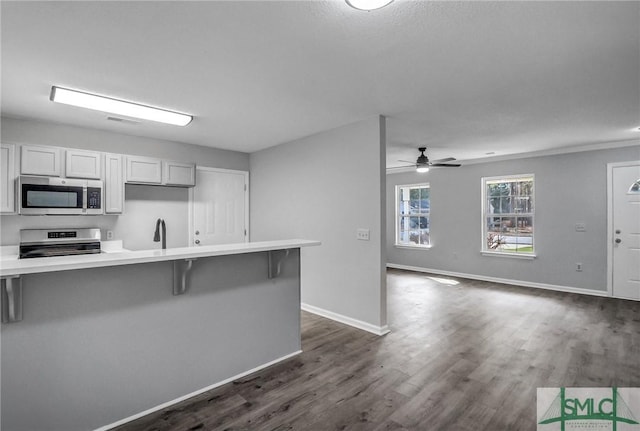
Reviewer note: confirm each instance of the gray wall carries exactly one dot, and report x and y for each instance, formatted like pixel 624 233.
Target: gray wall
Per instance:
pixel 325 187
pixel 569 188
pixel 144 204
pixel 100 345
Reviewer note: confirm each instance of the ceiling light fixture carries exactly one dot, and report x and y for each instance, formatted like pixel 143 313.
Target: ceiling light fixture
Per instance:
pixel 422 162
pixel 368 4
pixel 115 106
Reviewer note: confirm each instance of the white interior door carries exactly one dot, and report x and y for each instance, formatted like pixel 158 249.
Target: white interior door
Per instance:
pixel 625 190
pixel 220 207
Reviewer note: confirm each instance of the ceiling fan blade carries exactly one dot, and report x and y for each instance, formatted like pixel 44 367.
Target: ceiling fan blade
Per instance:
pixel 402 167
pixel 448 159
pixel 407 161
pixel 442 165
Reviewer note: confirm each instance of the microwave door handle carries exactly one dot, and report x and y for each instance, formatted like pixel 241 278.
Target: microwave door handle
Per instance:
pixel 84 197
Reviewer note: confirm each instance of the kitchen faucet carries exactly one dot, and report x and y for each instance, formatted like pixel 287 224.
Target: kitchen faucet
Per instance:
pixel 156 235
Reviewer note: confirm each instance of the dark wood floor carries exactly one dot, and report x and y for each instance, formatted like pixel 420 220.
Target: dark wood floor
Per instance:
pixel 462 355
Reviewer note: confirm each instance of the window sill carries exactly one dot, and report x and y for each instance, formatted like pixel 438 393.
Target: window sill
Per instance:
pixel 509 255
pixel 413 247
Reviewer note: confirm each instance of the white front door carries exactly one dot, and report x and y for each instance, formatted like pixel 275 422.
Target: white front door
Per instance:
pixel 625 192
pixel 220 210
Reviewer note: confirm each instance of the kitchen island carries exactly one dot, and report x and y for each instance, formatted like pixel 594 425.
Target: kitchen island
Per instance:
pixel 103 339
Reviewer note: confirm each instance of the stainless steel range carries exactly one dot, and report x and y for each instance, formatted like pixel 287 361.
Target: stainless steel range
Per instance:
pixel 58 242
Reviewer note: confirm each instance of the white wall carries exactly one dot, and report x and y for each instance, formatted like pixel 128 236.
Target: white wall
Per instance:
pixel 569 188
pixel 324 187
pixel 143 204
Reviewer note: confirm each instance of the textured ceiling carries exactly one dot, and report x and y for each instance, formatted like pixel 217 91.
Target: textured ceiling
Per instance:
pixel 462 78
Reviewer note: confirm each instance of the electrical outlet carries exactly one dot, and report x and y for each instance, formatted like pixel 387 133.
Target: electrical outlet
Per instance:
pixel 579 267
pixel 581 227
pixel 109 234
pixel 363 234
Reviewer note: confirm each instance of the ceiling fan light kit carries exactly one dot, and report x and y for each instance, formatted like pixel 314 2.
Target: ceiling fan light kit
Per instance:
pixel 422 163
pixel 116 106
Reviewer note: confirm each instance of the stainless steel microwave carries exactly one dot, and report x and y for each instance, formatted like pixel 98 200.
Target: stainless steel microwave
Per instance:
pixel 59 196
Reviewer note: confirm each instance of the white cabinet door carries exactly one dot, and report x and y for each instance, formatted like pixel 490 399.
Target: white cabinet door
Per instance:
pixel 83 164
pixel 179 174
pixel 7 178
pixel 40 160
pixel 220 207
pixel 113 184
pixel 144 170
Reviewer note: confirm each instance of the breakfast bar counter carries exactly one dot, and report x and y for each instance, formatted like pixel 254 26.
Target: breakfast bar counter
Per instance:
pixel 12 266
pixel 105 338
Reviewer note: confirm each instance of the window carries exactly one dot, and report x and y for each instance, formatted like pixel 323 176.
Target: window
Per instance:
pixel 507 214
pixel 412 215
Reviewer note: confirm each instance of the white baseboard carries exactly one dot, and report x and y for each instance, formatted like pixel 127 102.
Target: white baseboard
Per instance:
pixel 378 330
pixel 501 280
pixel 193 394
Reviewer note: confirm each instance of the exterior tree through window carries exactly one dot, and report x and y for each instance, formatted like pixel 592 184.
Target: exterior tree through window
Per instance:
pixel 508 214
pixel 413 205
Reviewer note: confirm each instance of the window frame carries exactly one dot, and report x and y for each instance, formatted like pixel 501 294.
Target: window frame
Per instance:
pixel 485 215
pixel 399 216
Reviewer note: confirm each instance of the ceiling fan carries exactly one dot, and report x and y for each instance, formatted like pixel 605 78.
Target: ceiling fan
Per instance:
pixel 423 163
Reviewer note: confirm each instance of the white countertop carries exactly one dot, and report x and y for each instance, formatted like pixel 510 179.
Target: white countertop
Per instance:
pixel 11 266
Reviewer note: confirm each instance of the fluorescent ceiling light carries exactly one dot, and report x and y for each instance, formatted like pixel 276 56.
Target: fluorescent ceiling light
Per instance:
pixel 115 106
pixel 368 4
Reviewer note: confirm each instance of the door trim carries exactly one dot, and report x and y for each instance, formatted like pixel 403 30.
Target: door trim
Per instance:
pixel 610 167
pixel 246 199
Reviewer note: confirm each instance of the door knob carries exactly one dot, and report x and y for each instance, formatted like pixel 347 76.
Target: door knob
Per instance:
pixel 197 241
pixel 618 240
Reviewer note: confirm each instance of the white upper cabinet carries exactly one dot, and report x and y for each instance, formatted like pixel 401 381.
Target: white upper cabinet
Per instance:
pixel 149 170
pixel 144 170
pixel 179 174
pixel 40 160
pixel 113 184
pixel 7 178
pixel 45 160
pixel 83 164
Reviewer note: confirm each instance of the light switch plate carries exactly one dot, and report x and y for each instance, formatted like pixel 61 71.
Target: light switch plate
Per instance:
pixel 581 227
pixel 363 234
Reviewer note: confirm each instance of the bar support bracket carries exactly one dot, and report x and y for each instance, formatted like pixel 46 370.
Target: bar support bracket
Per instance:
pixel 276 257
pixel 181 270
pixel 11 291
